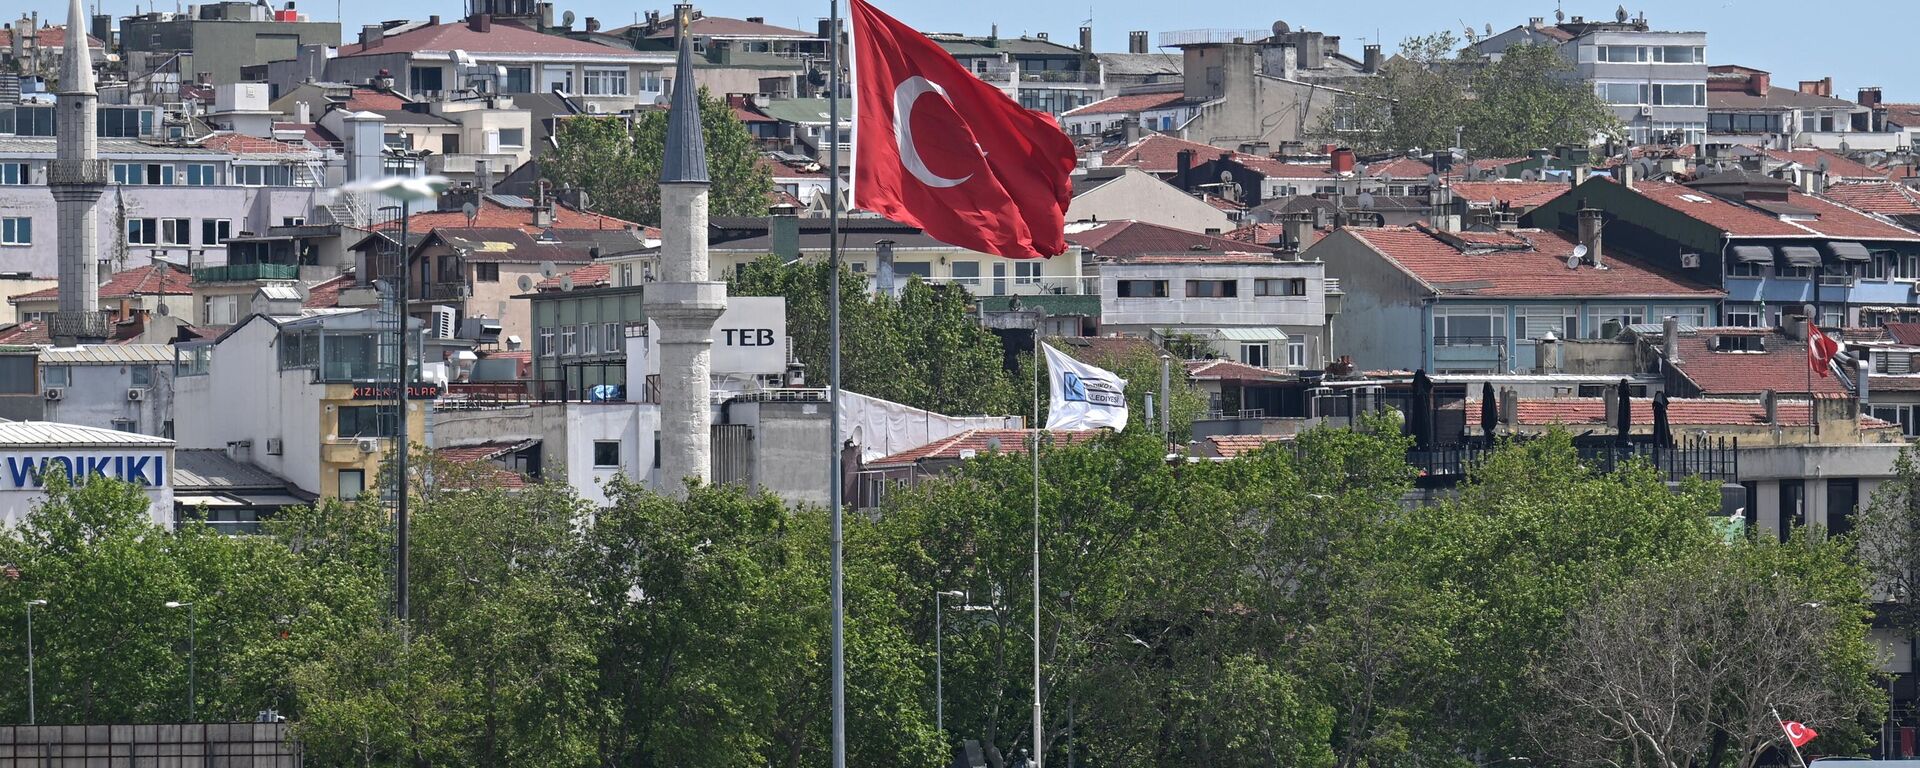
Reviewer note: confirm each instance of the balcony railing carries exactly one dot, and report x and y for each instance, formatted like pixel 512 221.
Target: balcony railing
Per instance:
pixel 444 292
pixel 465 162
pixel 1709 458
pixel 1063 77
pixel 233 273
pixel 1019 286
pixel 1469 341
pixel 90 326
pixel 77 172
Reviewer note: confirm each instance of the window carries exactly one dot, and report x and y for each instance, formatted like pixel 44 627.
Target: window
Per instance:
pixel 1620 93
pixel 1598 319
pixel 143 174
pixel 557 79
pixel 425 79
pixel 650 81
pixel 616 341
pixel 1892 362
pixel 1738 268
pixel 486 272
pixel 1469 326
pixel 605 81
pixel 16 230
pixel 13 174
pixel 1213 289
pixel 1534 323
pixel 125 425
pixel 1790 271
pixel 1027 272
pixel 519 80
pixel 1739 343
pixel 966 272
pixel 569 340
pixel 1617 54
pixel 513 138
pixel 1744 316
pixel 293 221
pixel 201 175
pixel 606 453
pixel 176 231
pixel 122 122
pixel 143 231
pixel 1903 415
pixel 215 231
pixel 1793 513
pixel 1679 54
pixel 366 420
pixel 590 339
pixel 1254 354
pixel 57 376
pixel 350 483
pixel 140 375
pixel 919 269
pixel 1280 286
pixel 547 347
pixel 1680 94
pixel 16 375
pixel 1689 316
pixel 1141 289
pixel 263 176
pixel 1296 353
pixel 1725 122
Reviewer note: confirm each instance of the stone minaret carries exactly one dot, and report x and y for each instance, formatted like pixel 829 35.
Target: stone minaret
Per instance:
pixel 77 177
pixel 684 304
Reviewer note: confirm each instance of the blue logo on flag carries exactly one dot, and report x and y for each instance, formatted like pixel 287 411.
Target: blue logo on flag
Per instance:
pixel 1073 388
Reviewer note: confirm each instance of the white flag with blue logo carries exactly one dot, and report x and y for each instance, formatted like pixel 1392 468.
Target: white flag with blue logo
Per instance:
pixel 1084 397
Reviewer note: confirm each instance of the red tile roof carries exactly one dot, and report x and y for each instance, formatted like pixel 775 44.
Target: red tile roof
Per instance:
pixel 370 99
pixel 1907 115
pixel 1132 240
pixel 1741 220
pixel 1127 104
pixel 590 276
pixel 1838 166
pixel 1680 412
pixel 1105 351
pixel 53 36
pixel 1781 367
pixel 242 144
pixel 492 215
pixel 1402 169
pixel 479 457
pixel 315 135
pixel 326 293
pixel 1158 153
pixel 29 332
pixel 1228 370
pixel 1522 195
pixel 1905 333
pixel 157 279
pixel 1521 262
pixel 748 115
pixel 1885 199
pixel 501 38
pixel 978 442
pixel 1234 446
pixel 1259 234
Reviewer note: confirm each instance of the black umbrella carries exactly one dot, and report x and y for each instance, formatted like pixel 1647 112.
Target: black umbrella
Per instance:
pixel 1489 411
pixel 1626 414
pixel 1662 431
pixel 1418 412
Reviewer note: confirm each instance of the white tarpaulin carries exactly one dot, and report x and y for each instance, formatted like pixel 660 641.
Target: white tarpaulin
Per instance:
pixel 883 428
pixel 1082 396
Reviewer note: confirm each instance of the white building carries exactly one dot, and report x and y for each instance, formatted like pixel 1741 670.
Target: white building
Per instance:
pixel 30 449
pixel 123 387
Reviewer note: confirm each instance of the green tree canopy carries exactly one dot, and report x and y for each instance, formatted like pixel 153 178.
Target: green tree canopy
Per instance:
pixel 617 160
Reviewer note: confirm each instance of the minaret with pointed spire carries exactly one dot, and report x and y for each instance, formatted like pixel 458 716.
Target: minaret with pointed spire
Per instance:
pixel 77 178
pixel 684 304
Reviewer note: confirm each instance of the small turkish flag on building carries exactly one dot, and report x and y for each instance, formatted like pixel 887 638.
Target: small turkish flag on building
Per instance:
pixel 1798 734
pixel 938 148
pixel 1820 350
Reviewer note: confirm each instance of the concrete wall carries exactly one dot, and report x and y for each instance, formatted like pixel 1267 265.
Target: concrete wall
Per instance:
pixel 1382 320
pixel 221 48
pixel 789 449
pixel 97 395
pixel 635 425
pixel 1138 196
pixel 1595 356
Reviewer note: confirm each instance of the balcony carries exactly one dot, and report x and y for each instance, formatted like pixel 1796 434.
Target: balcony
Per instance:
pixel 235 273
pixel 1061 77
pixel 463 163
pixel 77 172
pixel 1067 285
pixel 84 326
pixel 445 292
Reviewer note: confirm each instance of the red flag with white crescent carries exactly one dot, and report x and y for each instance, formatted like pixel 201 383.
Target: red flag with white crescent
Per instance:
pixel 1820 350
pixel 938 148
pixel 1798 734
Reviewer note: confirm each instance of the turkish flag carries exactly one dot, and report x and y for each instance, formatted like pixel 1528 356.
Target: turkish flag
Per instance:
pixel 1820 350
pixel 1798 734
pixel 938 148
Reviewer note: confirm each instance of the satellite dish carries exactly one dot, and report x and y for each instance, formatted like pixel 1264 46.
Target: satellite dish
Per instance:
pixel 1281 28
pixel 1433 180
pixel 1579 255
pixel 472 211
pixel 566 282
pixel 1365 201
pixel 1386 178
pixel 163 310
pixel 566 19
pixel 526 283
pixel 1529 175
pixel 547 269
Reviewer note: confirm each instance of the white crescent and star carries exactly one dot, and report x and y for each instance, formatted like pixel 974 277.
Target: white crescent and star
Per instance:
pixel 905 96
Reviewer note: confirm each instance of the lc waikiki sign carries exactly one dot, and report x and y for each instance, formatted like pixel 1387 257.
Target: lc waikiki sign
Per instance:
pixel 29 471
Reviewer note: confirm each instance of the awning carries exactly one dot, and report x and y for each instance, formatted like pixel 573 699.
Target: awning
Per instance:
pixel 211 502
pixel 1753 254
pixel 1847 250
pixel 1801 255
pixel 1253 334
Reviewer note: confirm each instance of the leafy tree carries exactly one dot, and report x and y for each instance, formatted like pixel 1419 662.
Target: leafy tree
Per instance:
pixel 1889 544
pixel 1416 100
pixel 617 161
pixel 1529 99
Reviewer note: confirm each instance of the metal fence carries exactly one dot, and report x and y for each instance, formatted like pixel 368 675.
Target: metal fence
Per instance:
pixel 1709 458
pixel 173 745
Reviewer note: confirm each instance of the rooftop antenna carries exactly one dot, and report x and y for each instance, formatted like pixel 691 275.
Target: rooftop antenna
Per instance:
pixel 1579 254
pixel 1559 15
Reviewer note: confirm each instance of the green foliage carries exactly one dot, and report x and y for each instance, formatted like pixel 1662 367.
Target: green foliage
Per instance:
pixel 617 160
pixel 1528 100
pixel 923 349
pixel 1416 100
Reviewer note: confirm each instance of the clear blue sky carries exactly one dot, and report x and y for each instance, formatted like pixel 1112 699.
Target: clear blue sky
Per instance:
pixel 1855 41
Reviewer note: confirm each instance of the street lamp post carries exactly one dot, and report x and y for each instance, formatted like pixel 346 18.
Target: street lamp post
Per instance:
pixel 939 659
pixel 193 715
pixel 30 606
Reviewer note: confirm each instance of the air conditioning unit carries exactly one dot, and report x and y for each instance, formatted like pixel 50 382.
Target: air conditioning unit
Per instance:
pixel 369 445
pixel 274 446
pixel 593 108
pixel 1690 261
pixel 1646 111
pixel 136 394
pixel 55 393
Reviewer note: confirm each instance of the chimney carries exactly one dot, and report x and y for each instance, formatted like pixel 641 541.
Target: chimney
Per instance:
pixel 1370 58
pixel 1547 354
pixel 1299 232
pixel 1592 229
pixel 1086 40
pixel 593 24
pixel 1759 84
pixel 1870 96
pixel 783 232
pixel 480 22
pixel 1670 329
pixel 434 20
pixel 1042 36
pixel 1182 163
pixel 1771 402
pixel 756 19
pixel 1579 175
pixel 1509 407
pixel 1130 129
pixel 1137 41
pixel 1342 160
pixel 482 180
pixel 1820 87
pixel 371 35
pixel 302 113
pixel 1626 175
pixel 883 268
pixel 1536 22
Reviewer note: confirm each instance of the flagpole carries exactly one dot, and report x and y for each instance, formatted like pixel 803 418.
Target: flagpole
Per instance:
pixel 834 473
pixel 1783 730
pixel 1038 745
